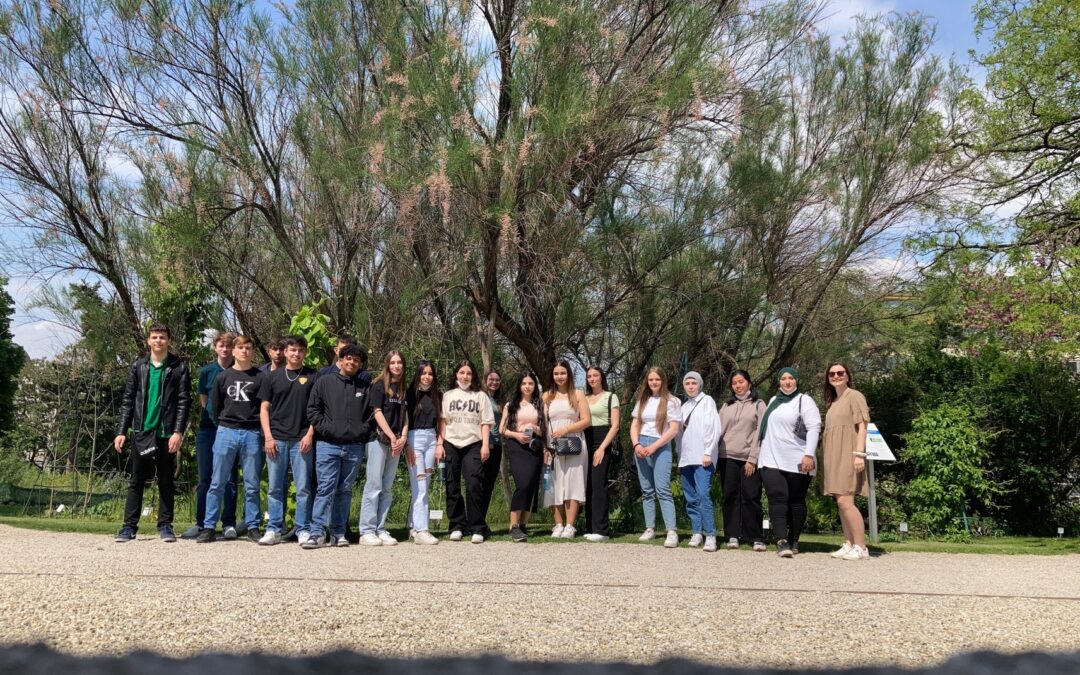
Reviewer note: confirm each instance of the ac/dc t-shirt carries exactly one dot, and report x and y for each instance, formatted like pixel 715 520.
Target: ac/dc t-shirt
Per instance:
pixel 390 402
pixel 236 398
pixel 287 393
pixel 464 412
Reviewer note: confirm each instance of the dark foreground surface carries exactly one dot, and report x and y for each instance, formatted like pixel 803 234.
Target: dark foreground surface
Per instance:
pixel 40 659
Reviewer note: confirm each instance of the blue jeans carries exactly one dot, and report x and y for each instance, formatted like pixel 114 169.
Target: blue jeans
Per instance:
pixel 422 445
pixel 654 475
pixel 204 457
pixel 303 465
pixel 696 481
pixel 378 488
pixel 229 444
pixel 336 467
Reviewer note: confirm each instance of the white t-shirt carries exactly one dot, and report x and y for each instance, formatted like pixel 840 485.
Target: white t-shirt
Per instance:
pixel 648 416
pixel 781 448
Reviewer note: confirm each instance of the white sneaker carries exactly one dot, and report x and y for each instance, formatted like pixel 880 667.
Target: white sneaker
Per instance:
pixel 842 551
pixel 478 539
pixel 695 540
pixel 270 538
pixel 856 553
pixel 425 538
pixel 759 547
pixel 710 544
pixel 672 539
pixel 596 537
pixel 455 535
pixel 370 539
pixel 303 537
pixel 733 543
pixel 647 535
pixel 341 542
pixel 556 532
pixel 386 539
pixel 569 532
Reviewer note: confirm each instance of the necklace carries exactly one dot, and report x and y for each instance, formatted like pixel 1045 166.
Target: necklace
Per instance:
pixel 293 379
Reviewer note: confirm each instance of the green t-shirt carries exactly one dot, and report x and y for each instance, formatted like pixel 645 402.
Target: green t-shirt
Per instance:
pixel 152 419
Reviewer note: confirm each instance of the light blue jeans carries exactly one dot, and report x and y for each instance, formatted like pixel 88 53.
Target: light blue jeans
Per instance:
pixel 654 476
pixel 378 488
pixel 228 445
pixel 422 445
pixel 303 464
pixel 696 481
pixel 336 467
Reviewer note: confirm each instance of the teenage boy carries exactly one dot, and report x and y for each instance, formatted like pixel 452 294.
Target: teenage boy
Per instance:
pixel 276 351
pixel 204 442
pixel 491 468
pixel 236 409
pixel 157 399
pixel 342 342
pixel 287 440
pixel 338 409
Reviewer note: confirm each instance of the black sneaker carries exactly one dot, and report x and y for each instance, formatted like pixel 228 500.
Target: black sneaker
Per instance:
pixel 165 533
pixel 517 534
pixel 125 534
pixel 783 549
pixel 315 542
pixel 253 535
pixel 794 548
pixel 206 535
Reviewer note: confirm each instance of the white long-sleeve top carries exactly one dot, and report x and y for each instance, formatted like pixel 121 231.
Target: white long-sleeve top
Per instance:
pixel 781 449
pixel 700 437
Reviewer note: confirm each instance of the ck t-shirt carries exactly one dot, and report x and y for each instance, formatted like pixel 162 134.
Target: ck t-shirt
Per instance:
pixel 390 402
pixel 207 374
pixel 287 393
pixel 236 398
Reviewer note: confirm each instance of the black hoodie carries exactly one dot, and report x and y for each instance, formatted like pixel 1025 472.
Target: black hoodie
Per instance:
pixel 338 409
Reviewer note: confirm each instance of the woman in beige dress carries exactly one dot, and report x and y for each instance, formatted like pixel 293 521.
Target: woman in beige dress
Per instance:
pixel 568 416
pixel 843 475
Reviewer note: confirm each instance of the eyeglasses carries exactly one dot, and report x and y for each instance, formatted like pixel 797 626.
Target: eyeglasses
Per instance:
pixel 838 373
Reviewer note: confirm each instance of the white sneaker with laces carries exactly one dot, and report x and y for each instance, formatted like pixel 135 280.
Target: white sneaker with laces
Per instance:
pixel 733 543
pixel 341 542
pixel 595 537
pixel 842 551
pixel 386 539
pixel 370 539
pixel 425 538
pixel 759 547
pixel 672 539
pixel 569 532
pixel 710 544
pixel 556 532
pixel 647 535
pixel 478 539
pixel 455 535
pixel 270 538
pixel 856 553
pixel 303 537
pixel 695 540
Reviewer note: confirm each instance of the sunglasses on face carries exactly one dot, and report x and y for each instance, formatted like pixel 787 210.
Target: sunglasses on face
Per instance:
pixel 838 373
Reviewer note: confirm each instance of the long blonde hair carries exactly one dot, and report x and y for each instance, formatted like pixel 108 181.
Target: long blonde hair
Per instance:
pixel 386 376
pixel 646 393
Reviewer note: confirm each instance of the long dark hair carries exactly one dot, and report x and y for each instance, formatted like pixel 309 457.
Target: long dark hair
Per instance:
pixel 413 396
pixel 603 380
pixel 829 391
pixel 475 386
pixel 571 391
pixel 515 401
pixel 746 376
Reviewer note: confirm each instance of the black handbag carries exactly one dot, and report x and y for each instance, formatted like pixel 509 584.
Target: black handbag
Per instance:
pixel 144 442
pixel 564 446
pixel 800 426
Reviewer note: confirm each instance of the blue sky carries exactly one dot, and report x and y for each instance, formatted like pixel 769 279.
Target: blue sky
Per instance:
pixel 955 37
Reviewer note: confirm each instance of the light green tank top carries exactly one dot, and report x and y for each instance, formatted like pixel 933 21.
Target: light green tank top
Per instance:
pixel 599 410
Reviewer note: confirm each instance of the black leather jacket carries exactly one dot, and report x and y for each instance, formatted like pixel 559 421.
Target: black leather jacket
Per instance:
pixel 175 396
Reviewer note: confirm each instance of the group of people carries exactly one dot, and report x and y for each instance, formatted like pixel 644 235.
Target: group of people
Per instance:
pixel 319 427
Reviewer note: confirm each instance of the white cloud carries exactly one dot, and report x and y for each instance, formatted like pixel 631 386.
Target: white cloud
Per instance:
pixel 43 339
pixel 838 17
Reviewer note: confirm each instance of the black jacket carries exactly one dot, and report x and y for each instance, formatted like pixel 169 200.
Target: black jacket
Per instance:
pixel 338 409
pixel 175 396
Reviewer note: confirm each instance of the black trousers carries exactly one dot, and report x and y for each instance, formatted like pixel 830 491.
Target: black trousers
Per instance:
pixel 787 502
pixel 596 490
pixel 161 462
pixel 742 502
pixel 465 513
pixel 526 467
pixel 491 471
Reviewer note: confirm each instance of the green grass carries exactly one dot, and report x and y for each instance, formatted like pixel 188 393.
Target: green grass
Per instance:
pixel 811 543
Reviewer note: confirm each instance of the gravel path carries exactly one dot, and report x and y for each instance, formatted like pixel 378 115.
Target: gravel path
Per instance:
pixel 562 600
